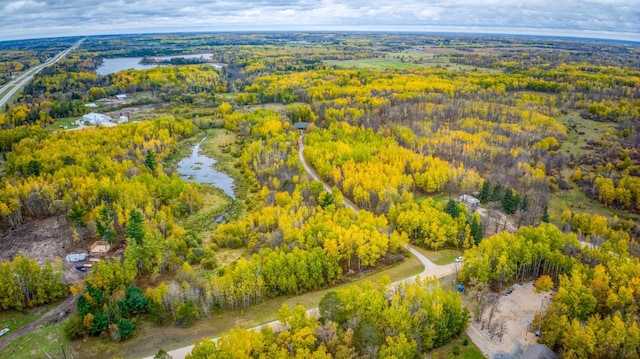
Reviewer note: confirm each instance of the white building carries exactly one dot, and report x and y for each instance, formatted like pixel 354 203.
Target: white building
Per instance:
pixel 121 97
pixel 76 257
pixel 471 202
pixel 95 118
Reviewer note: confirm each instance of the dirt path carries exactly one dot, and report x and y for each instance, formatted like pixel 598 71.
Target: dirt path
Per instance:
pixel 55 315
pixel 430 269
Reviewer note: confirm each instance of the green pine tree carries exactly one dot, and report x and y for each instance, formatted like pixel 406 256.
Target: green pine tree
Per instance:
pixel 150 160
pixel 134 227
pixel 545 215
pixel 485 192
pixel 452 209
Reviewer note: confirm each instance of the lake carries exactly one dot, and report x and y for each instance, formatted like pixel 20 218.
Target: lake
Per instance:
pixel 110 66
pixel 199 168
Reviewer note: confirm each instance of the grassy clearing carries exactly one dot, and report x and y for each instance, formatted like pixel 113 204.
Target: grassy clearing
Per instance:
pixel 576 201
pixel 468 351
pixel 47 340
pixel 151 338
pixel 410 61
pixel 580 131
pixel 226 256
pixel 15 320
pixel 441 257
pixel 377 63
pixel 69 122
pixel 215 203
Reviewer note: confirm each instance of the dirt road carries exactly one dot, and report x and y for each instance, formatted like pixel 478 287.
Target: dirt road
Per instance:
pixel 430 269
pixel 55 315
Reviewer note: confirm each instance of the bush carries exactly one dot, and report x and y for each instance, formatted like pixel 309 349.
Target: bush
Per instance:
pixel 456 350
pixel 74 328
pixel 126 328
pixel 187 314
pixel 465 342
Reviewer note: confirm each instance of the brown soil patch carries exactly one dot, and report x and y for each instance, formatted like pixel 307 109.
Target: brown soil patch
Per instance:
pixel 42 239
pixel 510 330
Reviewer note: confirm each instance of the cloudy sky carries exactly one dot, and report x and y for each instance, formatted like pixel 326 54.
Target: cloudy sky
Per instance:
pixel 616 19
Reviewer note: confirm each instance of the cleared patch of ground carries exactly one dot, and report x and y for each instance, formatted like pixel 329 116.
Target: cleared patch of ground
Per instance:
pixel 43 239
pixel 509 331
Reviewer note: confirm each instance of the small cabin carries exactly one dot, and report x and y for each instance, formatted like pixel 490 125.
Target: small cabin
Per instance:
pixel 471 202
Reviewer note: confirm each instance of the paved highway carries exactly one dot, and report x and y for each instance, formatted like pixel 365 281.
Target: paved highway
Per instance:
pixel 19 82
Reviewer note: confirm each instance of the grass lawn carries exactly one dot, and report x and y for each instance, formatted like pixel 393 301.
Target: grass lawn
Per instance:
pixel 441 257
pixel 69 122
pixel 14 319
pixel 47 340
pixel 437 199
pixel 150 338
pixel 469 351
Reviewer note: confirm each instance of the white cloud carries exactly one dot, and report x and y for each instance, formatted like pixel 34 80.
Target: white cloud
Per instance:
pixel 28 18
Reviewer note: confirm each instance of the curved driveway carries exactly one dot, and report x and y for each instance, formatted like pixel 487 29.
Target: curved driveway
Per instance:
pixel 430 269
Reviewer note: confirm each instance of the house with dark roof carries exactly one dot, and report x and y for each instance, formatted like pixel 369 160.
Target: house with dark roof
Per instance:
pixel 538 351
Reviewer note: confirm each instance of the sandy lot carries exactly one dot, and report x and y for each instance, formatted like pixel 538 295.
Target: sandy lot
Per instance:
pixel 509 332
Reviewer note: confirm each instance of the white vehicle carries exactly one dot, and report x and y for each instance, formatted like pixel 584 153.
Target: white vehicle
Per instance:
pixel 459 260
pixel 4 331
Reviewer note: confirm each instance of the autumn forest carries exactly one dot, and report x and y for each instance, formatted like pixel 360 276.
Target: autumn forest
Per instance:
pixel 348 151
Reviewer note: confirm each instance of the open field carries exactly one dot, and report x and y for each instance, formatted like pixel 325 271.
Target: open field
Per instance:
pixel 398 63
pixel 150 338
pixel 47 340
pixel 441 257
pixel 580 131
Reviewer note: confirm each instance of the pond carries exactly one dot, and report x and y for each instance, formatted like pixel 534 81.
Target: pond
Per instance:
pixel 199 168
pixel 110 66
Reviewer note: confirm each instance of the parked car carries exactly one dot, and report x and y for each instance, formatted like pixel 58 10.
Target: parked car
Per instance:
pixel 459 260
pixel 4 331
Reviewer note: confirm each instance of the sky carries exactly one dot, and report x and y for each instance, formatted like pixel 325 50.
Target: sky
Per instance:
pixel 611 19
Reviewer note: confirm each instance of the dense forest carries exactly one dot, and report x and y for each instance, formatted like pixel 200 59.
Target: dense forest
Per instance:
pixel 544 132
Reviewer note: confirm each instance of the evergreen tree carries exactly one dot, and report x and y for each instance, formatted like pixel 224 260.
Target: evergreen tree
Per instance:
pixel 134 228
pixel 545 215
pixel 496 193
pixel 136 302
pixel 126 328
pixel 150 160
pixel 510 201
pixel 477 231
pixel 452 209
pixel 485 192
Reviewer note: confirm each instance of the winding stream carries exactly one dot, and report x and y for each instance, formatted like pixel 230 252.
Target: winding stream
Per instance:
pixel 199 168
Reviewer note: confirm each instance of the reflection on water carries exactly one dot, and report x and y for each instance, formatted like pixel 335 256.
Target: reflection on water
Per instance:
pixel 110 66
pixel 199 168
